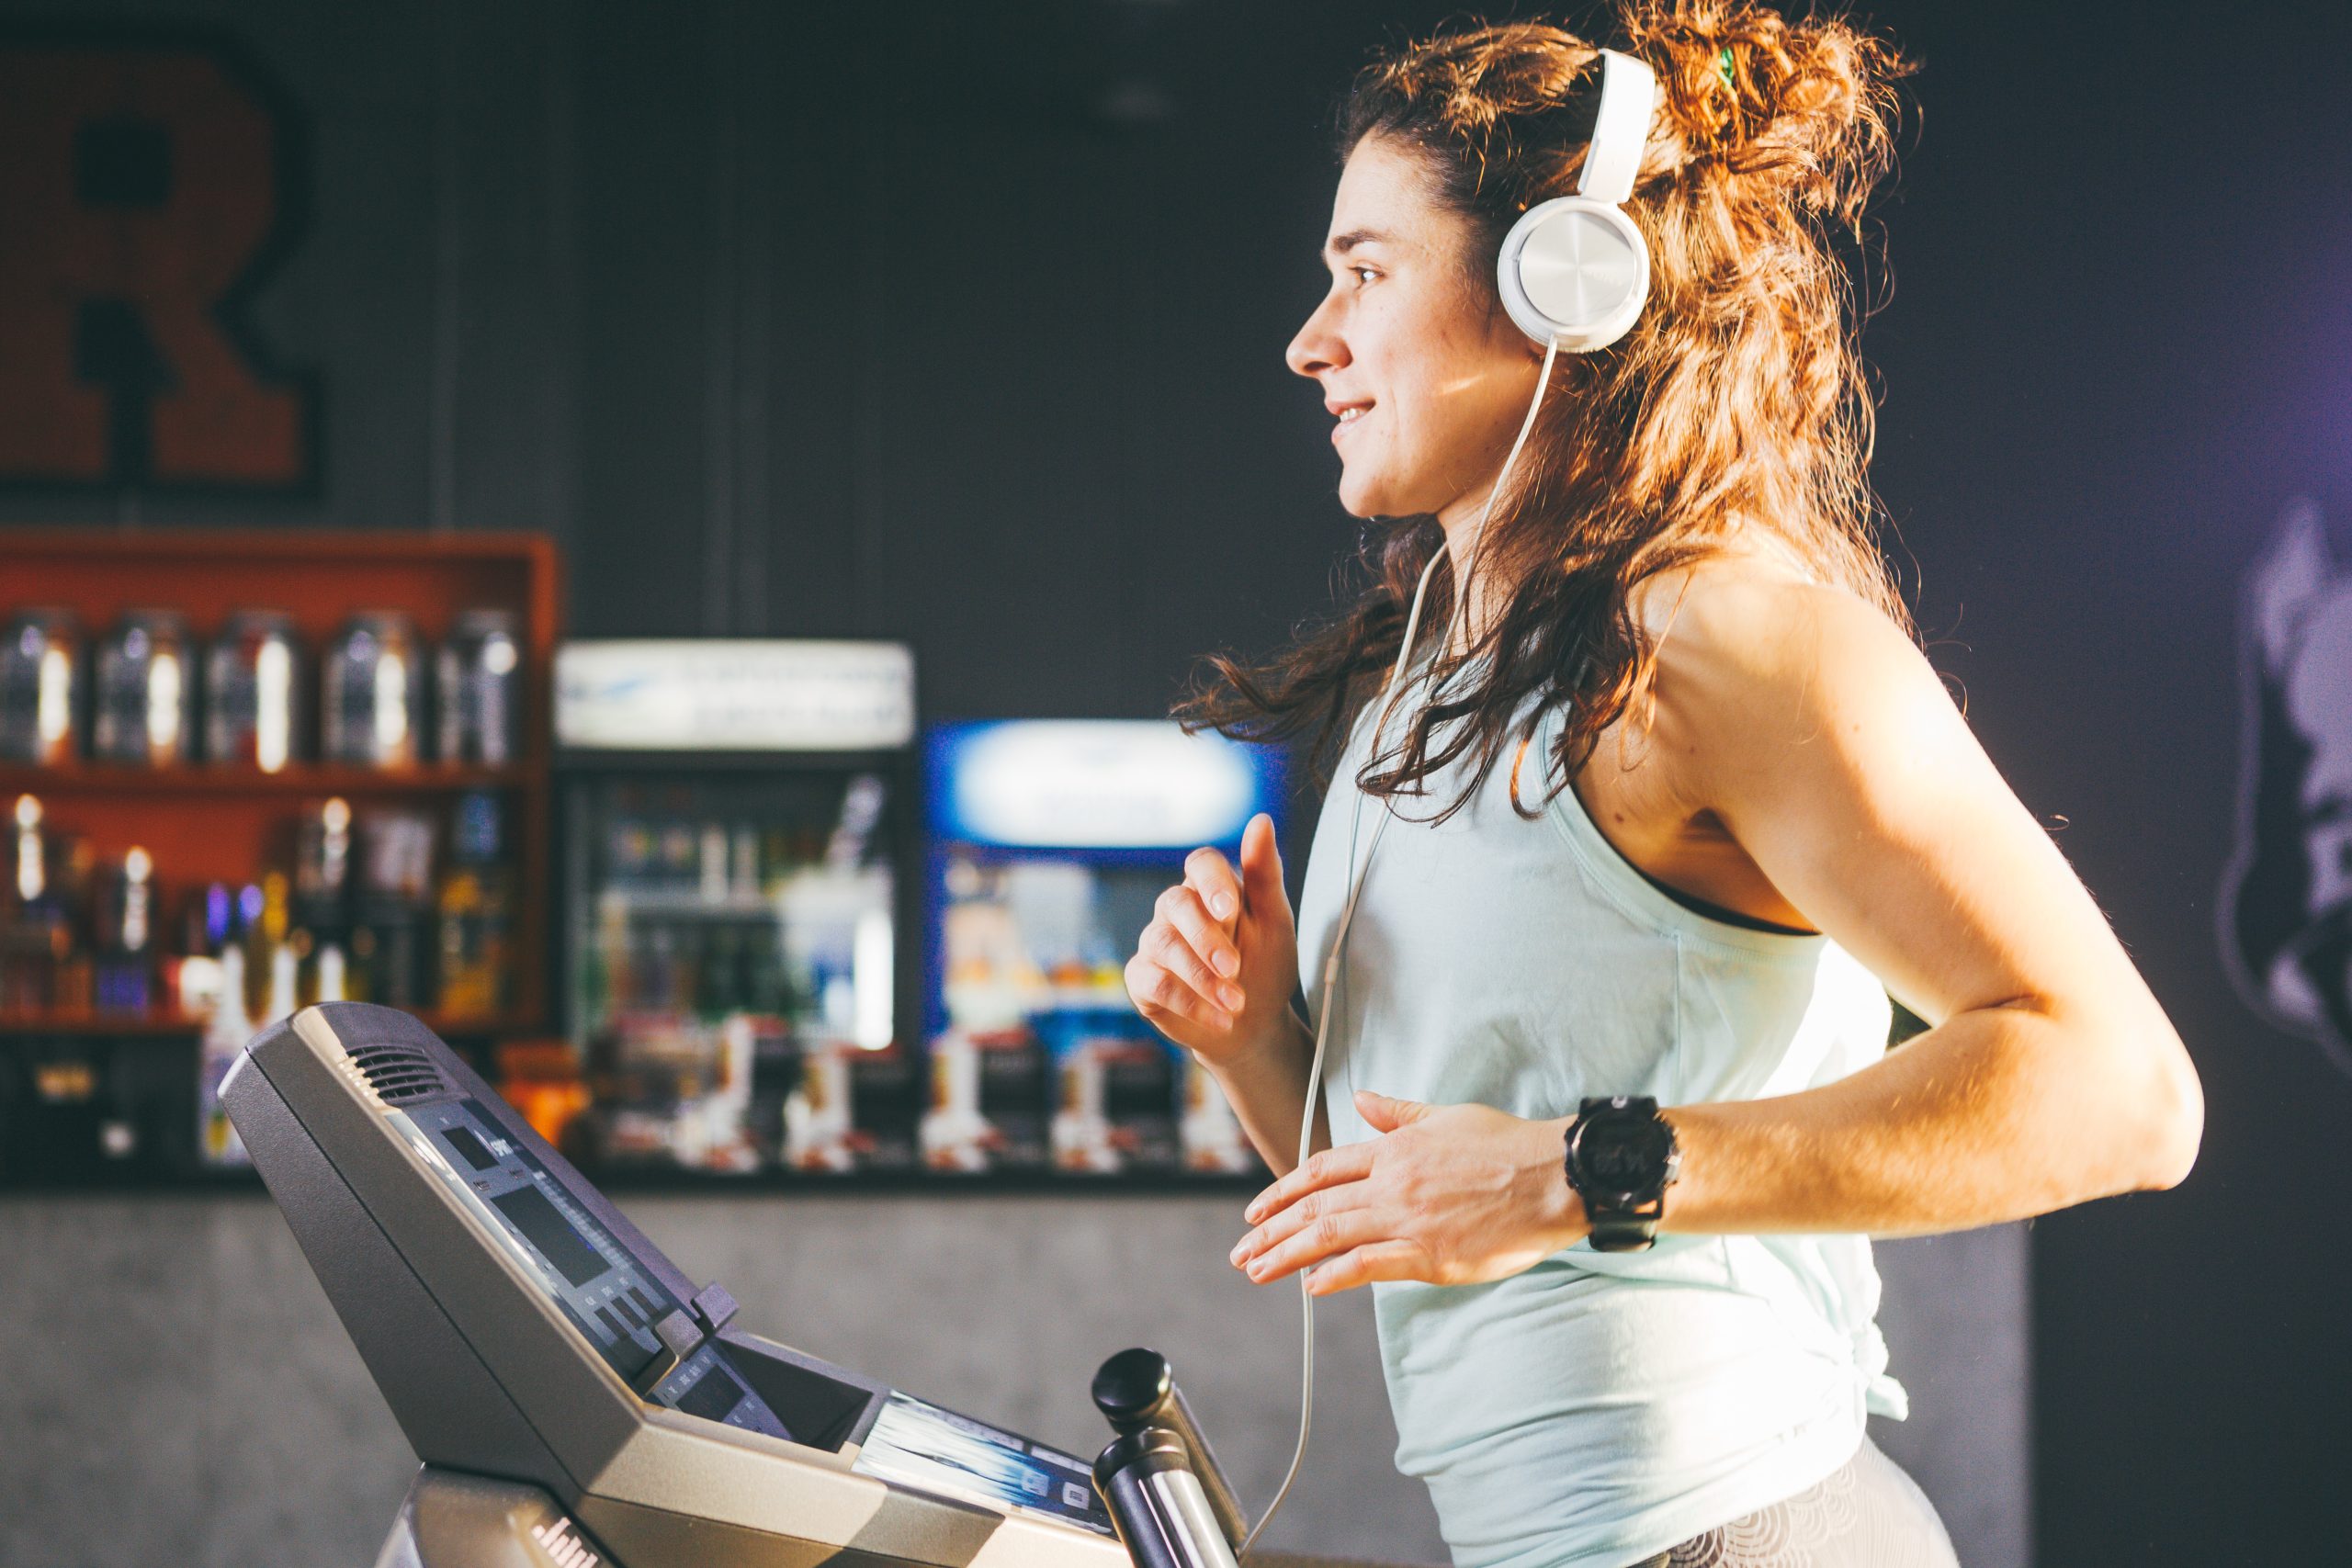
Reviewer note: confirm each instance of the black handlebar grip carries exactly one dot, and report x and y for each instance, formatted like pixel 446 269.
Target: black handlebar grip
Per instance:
pixel 1158 1504
pixel 1137 1389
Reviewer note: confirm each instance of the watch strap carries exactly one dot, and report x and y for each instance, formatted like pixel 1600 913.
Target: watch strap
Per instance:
pixel 1625 1230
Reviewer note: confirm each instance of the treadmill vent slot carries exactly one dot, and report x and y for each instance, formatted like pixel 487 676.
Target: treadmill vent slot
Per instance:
pixel 401 1074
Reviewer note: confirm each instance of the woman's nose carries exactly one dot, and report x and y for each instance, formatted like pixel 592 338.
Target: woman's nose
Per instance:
pixel 1317 347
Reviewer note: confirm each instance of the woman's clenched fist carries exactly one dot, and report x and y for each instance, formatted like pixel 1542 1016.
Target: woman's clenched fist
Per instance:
pixel 1215 968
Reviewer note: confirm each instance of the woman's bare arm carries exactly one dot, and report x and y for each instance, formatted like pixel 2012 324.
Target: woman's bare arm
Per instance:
pixel 1817 733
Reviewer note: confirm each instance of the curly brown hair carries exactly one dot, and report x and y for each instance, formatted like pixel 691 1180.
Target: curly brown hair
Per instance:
pixel 1737 401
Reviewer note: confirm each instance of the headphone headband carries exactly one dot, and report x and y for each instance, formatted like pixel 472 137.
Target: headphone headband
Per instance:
pixel 1628 93
pixel 1574 270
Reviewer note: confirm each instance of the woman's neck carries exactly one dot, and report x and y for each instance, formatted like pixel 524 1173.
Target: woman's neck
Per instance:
pixel 1462 522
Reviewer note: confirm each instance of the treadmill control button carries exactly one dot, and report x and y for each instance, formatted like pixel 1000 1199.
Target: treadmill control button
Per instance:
pixel 715 1307
pixel 678 1332
pixel 1035 1483
pixel 659 1365
pixel 1076 1497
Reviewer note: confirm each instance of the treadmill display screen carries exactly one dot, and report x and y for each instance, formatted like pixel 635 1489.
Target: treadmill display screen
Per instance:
pixel 923 1445
pixel 470 1148
pixel 546 1229
pixel 609 1298
pixel 712 1397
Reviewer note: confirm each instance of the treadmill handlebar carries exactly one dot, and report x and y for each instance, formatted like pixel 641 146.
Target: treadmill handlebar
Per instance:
pixel 1136 1390
pixel 1157 1503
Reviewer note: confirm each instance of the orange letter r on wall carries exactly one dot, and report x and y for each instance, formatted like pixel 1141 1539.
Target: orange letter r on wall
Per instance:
pixel 139 201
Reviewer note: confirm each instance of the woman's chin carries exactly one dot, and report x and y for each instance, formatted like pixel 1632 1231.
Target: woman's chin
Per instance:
pixel 1373 502
pixel 1365 499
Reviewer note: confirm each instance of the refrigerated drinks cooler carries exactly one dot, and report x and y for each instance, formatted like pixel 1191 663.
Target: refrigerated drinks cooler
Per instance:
pixel 1049 841
pixel 739 862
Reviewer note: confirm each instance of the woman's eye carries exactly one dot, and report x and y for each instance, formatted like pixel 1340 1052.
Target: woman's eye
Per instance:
pixel 1359 271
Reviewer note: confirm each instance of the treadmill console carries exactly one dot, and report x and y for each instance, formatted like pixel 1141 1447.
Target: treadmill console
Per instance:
pixel 523 1331
pixel 616 1305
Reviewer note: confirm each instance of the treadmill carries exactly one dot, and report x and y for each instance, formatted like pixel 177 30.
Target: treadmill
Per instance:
pixel 575 1401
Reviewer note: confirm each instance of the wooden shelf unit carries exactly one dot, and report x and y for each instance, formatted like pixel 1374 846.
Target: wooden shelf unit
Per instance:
pixel 166 1025
pixel 205 823
pixel 85 779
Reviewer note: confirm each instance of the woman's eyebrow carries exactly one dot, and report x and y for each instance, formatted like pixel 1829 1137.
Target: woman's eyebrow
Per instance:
pixel 1341 244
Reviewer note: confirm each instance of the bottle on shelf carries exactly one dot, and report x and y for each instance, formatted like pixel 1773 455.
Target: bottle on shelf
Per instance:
pixel 676 857
pixel 475 907
pixel 72 882
pixel 328 983
pixel 225 1033
pixel 819 1130
pixel 42 967
pixel 322 906
pixel 372 693
pixel 143 690
pixel 479 670
pixel 743 864
pixel 395 904
pixel 126 961
pixel 253 691
pixel 41 666
pixel 196 978
pixel 261 931
pixel 710 862
pixel 954 1134
pixel 283 950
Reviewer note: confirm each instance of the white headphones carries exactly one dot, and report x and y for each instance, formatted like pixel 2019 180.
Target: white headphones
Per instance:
pixel 1574 270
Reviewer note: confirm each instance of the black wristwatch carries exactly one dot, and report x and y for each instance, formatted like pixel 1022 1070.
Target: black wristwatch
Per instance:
pixel 1621 1159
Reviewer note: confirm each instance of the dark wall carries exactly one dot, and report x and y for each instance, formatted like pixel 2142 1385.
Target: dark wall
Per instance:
pixel 963 324
pixel 2120 341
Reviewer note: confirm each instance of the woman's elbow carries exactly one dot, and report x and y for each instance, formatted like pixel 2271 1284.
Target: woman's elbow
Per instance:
pixel 2151 1107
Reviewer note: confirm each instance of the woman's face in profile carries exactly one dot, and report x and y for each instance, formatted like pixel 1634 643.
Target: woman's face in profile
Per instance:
pixel 1412 335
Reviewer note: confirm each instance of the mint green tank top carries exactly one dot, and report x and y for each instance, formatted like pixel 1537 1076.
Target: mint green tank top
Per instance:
pixel 1599 1407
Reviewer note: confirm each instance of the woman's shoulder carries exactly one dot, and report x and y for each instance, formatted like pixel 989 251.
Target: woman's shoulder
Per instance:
pixel 1755 612
pixel 1751 654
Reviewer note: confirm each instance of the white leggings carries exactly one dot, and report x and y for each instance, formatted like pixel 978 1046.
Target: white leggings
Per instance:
pixel 1868 1514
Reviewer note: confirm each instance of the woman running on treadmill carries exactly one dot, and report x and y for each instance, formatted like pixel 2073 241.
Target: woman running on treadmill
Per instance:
pixel 1673 803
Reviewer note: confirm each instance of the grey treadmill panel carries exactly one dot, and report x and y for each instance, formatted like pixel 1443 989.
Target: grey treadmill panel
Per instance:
pixel 486 1324
pixel 575 1404
pixel 446 1401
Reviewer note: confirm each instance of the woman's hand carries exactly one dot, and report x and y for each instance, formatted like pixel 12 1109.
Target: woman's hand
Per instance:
pixel 1450 1194
pixel 1215 968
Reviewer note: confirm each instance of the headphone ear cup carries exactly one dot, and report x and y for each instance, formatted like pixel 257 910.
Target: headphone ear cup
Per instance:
pixel 1576 270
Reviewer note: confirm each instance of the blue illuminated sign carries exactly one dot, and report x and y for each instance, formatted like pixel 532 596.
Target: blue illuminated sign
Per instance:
pixel 1116 784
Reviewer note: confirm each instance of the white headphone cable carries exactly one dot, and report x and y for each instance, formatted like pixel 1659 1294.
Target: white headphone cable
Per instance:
pixel 1355 891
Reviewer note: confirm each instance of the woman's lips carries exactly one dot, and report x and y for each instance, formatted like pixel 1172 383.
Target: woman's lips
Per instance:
pixel 1347 424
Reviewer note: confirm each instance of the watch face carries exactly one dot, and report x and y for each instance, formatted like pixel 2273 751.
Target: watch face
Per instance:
pixel 1624 1157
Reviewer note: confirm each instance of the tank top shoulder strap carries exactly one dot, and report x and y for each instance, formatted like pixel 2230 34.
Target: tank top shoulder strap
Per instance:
pixel 1644 896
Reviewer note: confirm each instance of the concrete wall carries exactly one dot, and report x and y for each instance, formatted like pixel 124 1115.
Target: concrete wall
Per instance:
pixel 178 1390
